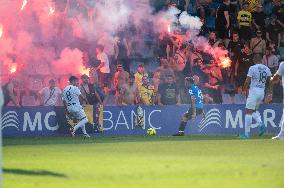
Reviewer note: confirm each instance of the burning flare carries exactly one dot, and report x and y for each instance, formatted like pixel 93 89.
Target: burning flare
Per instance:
pixel 1 30
pixel 225 62
pixel 13 68
pixel 51 9
pixel 83 70
pixel 25 2
pixel 169 28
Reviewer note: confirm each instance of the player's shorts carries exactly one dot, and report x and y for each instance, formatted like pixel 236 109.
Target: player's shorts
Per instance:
pixel 255 98
pixel 188 115
pixel 78 113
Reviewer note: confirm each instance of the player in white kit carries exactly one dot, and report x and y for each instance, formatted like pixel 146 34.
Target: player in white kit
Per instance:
pixel 276 79
pixel 71 99
pixel 257 77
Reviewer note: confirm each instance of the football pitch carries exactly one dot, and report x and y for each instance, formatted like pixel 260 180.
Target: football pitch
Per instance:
pixel 190 161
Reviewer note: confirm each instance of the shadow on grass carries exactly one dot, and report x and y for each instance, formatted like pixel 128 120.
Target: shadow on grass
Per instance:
pixel 24 172
pixel 116 139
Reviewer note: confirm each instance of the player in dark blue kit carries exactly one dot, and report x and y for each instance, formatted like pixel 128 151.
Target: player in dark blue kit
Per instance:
pixel 196 105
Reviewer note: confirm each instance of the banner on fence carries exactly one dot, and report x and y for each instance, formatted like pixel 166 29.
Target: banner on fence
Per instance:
pixel 120 121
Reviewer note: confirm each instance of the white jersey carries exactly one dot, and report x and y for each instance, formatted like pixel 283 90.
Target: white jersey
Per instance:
pixel 50 97
pixel 280 72
pixel 259 74
pixel 103 58
pixel 71 96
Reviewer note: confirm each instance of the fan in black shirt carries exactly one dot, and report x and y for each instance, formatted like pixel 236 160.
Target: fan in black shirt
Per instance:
pixel 273 32
pixel 245 61
pixel 222 20
pixel 258 18
pixel 278 10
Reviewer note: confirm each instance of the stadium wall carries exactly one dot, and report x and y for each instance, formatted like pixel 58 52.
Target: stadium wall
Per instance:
pixel 120 121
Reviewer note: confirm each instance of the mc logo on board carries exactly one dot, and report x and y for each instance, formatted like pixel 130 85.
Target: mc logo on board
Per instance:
pixel 29 122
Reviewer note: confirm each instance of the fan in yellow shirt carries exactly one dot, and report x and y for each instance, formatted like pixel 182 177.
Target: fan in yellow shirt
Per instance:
pixel 245 20
pixel 139 74
pixel 147 94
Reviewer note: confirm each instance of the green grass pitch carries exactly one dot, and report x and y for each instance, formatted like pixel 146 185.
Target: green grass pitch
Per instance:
pixel 190 161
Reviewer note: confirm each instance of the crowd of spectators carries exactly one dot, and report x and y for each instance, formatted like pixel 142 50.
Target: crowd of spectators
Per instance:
pixel 124 72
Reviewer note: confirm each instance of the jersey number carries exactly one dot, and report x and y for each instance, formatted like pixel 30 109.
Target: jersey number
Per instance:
pixel 262 76
pixel 68 95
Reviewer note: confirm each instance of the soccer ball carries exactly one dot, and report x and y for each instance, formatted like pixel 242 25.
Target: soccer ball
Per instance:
pixel 151 132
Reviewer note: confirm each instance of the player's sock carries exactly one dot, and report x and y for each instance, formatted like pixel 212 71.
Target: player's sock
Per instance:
pixel 80 124
pixel 182 127
pixel 84 129
pixel 256 116
pixel 248 121
pixel 282 130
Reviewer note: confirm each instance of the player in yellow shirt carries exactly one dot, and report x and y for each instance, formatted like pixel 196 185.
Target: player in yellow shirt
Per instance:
pixel 147 95
pixel 245 20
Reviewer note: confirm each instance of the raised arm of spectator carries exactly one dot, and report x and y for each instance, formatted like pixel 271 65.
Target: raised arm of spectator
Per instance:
pixel 236 67
pixel 226 14
pixel 178 99
pixel 102 64
pixel 256 26
pixel 159 99
pixel 127 46
pixel 66 7
pixel 186 5
pixel 279 40
pixel 98 97
pixel 83 99
pixel 267 36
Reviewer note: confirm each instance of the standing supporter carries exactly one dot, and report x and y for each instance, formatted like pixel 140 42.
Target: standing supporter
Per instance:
pixel 235 49
pixel 9 92
pixel 258 18
pixel 103 69
pixel 128 93
pixel 270 60
pixel 165 70
pixel 273 32
pixel 89 91
pixel 50 96
pixel 146 92
pixel 214 84
pixel 222 23
pixel 234 6
pixel 164 45
pixel 245 19
pixel 168 93
pixel 120 77
pixel 139 75
pixel 203 9
pixel 181 4
pixel 109 43
pixel 122 50
pixel 197 70
pixel 241 68
pixel 258 44
pixel 278 10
